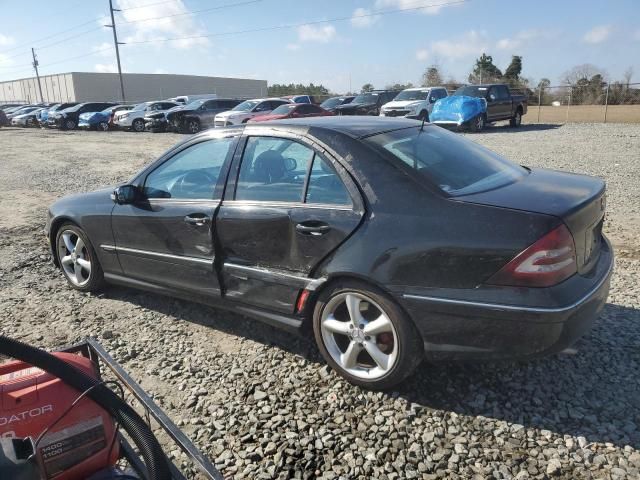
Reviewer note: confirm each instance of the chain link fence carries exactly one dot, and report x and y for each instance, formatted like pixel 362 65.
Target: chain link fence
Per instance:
pixel 585 103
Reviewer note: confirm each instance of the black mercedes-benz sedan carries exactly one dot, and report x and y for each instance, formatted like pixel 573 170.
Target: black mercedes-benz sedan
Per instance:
pixel 390 240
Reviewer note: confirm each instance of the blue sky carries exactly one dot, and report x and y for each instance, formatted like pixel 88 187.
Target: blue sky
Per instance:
pixel 552 37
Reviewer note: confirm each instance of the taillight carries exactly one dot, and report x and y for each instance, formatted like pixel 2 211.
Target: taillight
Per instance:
pixel 547 262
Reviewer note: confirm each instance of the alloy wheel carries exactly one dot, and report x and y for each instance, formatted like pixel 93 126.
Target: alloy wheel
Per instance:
pixel 104 126
pixel 70 124
pixel 480 123
pixel 138 125
pixel 518 119
pixel 359 335
pixel 194 127
pixel 74 258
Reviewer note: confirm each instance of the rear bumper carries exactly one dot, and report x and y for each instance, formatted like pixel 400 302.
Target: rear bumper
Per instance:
pixel 473 329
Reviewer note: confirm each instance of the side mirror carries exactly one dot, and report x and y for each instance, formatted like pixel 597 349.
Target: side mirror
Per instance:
pixel 125 194
pixel 432 99
pixel 492 97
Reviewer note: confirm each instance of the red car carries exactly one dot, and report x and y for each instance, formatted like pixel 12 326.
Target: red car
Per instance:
pixel 293 110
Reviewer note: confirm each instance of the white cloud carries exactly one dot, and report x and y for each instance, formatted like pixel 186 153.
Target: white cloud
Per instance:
pixel 164 25
pixel 597 34
pixel 105 49
pixel 360 21
pixel 407 4
pixel 422 54
pixel 470 44
pixel 309 33
pixel 105 68
pixel 293 47
pixel 5 40
pixel 520 39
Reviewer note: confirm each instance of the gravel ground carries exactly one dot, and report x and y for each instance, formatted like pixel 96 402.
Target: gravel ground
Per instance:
pixel 262 404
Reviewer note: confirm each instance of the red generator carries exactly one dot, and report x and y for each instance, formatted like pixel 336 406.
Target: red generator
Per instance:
pixel 79 440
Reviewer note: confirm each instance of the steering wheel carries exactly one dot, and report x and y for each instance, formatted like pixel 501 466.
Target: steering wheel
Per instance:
pixel 193 182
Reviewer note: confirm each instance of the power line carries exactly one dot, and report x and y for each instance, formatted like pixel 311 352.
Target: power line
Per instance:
pixel 219 7
pixel 295 25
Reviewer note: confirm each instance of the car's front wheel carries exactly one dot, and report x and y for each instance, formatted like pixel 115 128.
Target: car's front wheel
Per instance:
pixel 193 125
pixel 516 120
pixel 77 259
pixel 365 336
pixel 103 126
pixel 137 125
pixel 478 123
pixel 69 124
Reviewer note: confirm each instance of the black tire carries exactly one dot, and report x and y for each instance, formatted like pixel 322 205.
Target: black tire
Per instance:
pixel 95 281
pixel 409 342
pixel 516 120
pixel 137 125
pixel 478 123
pixel 103 126
pixel 193 125
pixel 70 124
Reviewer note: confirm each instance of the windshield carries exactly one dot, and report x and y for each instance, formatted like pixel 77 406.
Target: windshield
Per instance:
pixel 194 105
pixel 107 110
pixel 283 109
pixel 471 91
pixel 245 106
pixel 454 164
pixel 75 108
pixel 412 95
pixel 332 102
pixel 366 98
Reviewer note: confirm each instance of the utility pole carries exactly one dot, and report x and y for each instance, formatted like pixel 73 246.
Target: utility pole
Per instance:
pixel 116 43
pixel 35 66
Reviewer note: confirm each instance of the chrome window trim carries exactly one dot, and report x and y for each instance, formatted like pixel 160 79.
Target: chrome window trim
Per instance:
pixel 269 203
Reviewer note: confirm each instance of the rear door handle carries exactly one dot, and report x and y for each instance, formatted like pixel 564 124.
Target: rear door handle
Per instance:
pixel 198 219
pixel 319 229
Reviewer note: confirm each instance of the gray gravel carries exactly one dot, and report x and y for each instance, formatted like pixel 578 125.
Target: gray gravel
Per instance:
pixel 262 404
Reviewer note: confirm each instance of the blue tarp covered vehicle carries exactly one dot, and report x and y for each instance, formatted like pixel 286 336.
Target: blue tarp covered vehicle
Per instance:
pixel 457 110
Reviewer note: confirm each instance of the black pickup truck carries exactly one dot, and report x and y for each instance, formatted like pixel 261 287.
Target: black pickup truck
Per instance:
pixel 501 103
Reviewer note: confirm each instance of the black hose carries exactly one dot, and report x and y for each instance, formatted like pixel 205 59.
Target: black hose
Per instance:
pixel 152 454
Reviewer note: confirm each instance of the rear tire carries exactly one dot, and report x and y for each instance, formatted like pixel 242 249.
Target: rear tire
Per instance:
pixel 70 124
pixel 77 259
pixel 103 126
pixel 378 325
pixel 516 120
pixel 193 125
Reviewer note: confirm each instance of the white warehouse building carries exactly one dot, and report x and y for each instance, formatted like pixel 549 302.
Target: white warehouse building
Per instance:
pixel 138 87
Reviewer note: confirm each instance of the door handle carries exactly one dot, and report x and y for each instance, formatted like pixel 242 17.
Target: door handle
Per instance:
pixel 319 229
pixel 197 219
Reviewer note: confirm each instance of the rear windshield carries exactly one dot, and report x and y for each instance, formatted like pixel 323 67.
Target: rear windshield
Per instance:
pixel 454 164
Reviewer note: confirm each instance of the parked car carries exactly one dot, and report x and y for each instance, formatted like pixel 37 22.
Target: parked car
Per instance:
pixel 102 120
pixel 187 99
pixel 368 103
pixel 389 239
pixel 133 119
pixel 415 103
pixel 292 110
pixel 58 107
pixel 501 104
pixel 5 106
pixel 4 121
pixel 301 99
pixel 14 112
pixel 330 104
pixel 248 109
pixel 28 119
pixel 198 115
pixel 68 118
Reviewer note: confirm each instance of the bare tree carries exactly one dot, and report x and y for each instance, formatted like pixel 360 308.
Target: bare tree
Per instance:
pixel 585 71
pixel 628 75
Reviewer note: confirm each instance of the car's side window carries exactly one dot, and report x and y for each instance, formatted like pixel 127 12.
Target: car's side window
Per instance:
pixel 325 186
pixel 191 173
pixel 273 169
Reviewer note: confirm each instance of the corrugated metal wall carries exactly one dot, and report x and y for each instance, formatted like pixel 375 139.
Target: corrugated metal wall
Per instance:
pixel 86 87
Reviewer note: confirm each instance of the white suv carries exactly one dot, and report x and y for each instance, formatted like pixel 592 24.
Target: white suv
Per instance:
pixel 134 119
pixel 248 109
pixel 413 103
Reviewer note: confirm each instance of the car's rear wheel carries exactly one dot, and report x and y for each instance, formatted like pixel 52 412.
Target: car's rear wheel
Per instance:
pixel 103 126
pixel 365 336
pixel 77 259
pixel 193 126
pixel 138 125
pixel 516 120
pixel 69 124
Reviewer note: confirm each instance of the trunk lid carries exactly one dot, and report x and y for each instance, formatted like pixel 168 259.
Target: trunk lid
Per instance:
pixel 578 200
